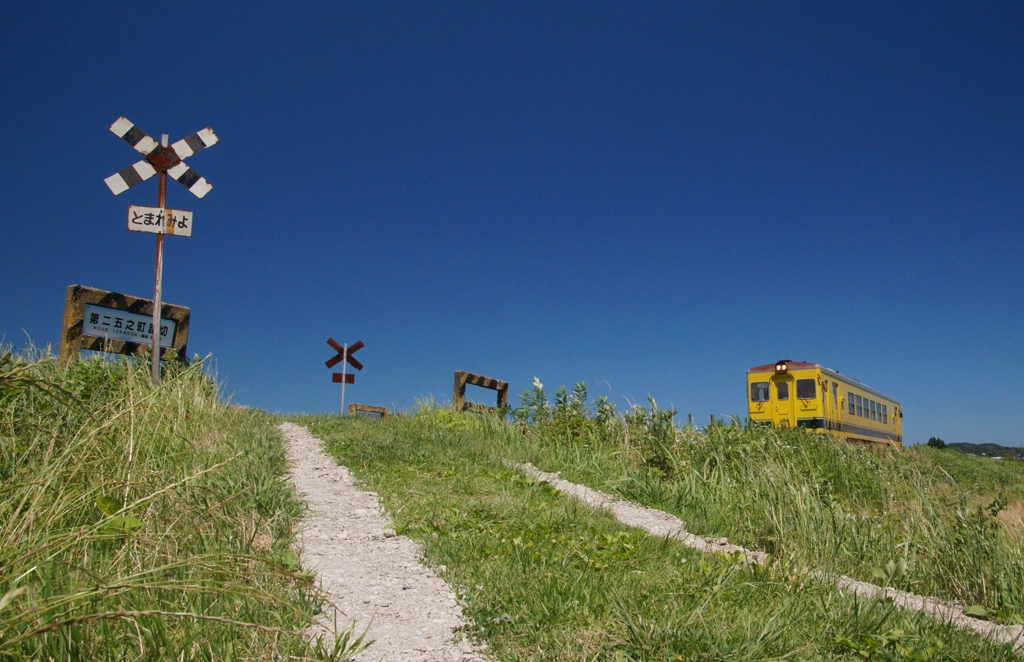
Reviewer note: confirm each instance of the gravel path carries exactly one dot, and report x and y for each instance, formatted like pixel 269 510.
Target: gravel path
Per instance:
pixel 371 575
pixel 655 522
pixel 662 524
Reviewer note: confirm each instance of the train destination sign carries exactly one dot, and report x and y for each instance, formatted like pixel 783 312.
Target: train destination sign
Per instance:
pixel 114 324
pixel 160 221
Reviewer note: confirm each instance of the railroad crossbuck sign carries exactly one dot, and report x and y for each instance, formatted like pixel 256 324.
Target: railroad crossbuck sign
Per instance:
pixel 344 357
pixel 160 159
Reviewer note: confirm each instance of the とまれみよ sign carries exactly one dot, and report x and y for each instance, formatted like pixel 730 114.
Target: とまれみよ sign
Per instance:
pixel 160 221
pixel 105 321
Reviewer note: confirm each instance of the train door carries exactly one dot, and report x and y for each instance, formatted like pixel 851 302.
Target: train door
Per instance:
pixel 839 408
pixel 783 411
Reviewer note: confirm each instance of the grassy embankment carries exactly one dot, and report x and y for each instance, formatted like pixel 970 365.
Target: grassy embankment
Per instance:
pixel 546 578
pixel 998 483
pixel 879 515
pixel 143 524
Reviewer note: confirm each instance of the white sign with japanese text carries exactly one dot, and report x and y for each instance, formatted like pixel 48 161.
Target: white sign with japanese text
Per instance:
pixel 160 221
pixel 116 324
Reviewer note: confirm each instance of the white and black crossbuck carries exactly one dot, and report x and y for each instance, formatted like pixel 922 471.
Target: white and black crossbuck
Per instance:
pixel 160 159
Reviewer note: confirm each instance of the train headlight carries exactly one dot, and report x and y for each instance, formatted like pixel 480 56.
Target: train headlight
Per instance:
pixel 781 368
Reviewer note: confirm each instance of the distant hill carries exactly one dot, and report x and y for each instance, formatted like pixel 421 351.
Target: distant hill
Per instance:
pixel 988 450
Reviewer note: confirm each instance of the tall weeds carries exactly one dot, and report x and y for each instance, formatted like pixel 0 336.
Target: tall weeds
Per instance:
pixel 141 523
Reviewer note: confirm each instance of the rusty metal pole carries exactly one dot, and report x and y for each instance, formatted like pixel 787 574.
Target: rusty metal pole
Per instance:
pixel 158 273
pixel 343 368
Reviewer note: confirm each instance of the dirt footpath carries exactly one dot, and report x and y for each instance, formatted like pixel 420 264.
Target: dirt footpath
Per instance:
pixel 372 576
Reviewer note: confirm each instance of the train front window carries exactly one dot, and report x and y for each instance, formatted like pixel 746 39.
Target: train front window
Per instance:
pixel 805 389
pixel 759 392
pixel 782 390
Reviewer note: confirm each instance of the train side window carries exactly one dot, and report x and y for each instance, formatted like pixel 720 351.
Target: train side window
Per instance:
pixel 759 392
pixel 885 414
pixel 872 410
pixel 853 402
pixel 782 390
pixel 835 394
pixel 824 394
pixel 805 389
pixel 860 409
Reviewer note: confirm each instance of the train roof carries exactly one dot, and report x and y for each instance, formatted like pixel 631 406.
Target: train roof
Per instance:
pixel 803 365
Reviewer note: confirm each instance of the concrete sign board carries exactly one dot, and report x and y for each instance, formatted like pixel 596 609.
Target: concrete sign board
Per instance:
pixel 105 321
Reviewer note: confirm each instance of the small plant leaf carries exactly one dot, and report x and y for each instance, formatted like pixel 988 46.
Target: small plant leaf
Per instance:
pixel 976 610
pixel 287 560
pixel 124 524
pixel 108 506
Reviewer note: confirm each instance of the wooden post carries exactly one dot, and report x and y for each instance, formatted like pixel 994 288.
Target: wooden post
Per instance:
pixel 462 378
pixel 369 409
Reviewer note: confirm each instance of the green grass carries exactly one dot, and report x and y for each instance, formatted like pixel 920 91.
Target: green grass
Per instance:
pixel 877 514
pixel 141 523
pixel 984 477
pixel 546 578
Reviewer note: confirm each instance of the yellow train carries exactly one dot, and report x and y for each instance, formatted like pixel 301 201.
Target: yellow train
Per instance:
pixel 808 395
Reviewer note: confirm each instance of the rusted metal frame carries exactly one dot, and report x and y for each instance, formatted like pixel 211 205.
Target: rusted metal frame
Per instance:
pixel 369 409
pixel 78 296
pixel 463 378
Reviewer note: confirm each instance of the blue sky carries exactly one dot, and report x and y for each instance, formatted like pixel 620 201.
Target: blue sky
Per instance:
pixel 650 197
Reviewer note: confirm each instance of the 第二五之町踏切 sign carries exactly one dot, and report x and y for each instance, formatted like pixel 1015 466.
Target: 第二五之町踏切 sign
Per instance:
pixel 102 322
pixel 105 321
